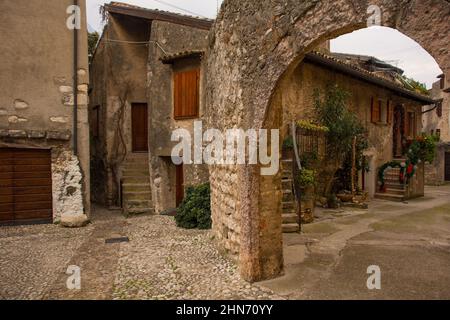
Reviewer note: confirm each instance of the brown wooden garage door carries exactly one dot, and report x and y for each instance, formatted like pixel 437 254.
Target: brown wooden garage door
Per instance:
pixel 25 186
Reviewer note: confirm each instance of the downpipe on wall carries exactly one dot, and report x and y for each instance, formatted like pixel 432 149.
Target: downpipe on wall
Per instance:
pixel 75 87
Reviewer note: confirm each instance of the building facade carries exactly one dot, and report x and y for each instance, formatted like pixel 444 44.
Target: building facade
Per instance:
pixel 147 79
pixel 44 131
pixel 436 120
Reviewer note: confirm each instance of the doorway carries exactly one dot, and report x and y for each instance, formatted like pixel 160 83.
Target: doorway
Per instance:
pixel 139 127
pixel 179 187
pixel 399 131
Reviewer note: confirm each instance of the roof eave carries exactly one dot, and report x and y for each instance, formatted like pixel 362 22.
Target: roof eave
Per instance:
pixel 368 78
pixel 161 16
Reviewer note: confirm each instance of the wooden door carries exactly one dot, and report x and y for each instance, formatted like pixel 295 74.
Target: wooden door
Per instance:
pixel 447 166
pixel 399 130
pixel 25 186
pixel 179 185
pixel 139 127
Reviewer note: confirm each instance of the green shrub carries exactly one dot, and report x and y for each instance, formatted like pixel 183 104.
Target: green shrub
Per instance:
pixel 306 178
pixel 195 210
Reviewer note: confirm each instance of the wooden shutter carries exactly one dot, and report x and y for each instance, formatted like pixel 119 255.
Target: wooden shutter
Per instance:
pixel 186 94
pixel 389 112
pixel 376 111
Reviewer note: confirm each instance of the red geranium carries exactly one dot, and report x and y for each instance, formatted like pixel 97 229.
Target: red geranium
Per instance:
pixel 410 169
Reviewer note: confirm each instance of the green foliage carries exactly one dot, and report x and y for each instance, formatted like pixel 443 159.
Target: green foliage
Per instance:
pixel 195 210
pixel 423 149
pixel 92 42
pixel 309 160
pixel 308 125
pixel 306 178
pixel 288 143
pixel 416 85
pixel 332 112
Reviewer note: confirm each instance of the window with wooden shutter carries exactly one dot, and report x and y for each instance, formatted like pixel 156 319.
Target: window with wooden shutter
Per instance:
pixel 389 112
pixel 376 111
pixel 186 94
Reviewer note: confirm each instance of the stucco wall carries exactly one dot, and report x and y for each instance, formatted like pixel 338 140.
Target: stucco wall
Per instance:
pixel 172 38
pixel 119 78
pixel 297 100
pixel 36 95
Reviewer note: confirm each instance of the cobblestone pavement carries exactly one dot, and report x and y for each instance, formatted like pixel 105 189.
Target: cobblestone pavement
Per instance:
pixel 32 257
pixel 160 262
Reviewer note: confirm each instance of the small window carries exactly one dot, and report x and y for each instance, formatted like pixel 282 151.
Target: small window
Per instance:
pixel 389 112
pixel 439 109
pixel 438 133
pixel 376 111
pixel 186 94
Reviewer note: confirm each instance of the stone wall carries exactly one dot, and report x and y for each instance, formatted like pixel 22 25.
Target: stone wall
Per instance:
pixel 36 92
pixel 252 47
pixel 168 39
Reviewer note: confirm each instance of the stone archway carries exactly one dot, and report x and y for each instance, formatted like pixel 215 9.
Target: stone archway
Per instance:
pixel 253 45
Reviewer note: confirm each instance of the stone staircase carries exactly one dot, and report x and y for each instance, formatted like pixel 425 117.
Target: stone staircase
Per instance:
pixel 289 206
pixel 136 190
pixel 395 191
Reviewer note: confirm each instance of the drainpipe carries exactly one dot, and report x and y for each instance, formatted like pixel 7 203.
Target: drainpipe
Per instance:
pixel 75 87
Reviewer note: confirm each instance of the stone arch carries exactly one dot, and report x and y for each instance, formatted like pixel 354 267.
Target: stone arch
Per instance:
pixel 253 46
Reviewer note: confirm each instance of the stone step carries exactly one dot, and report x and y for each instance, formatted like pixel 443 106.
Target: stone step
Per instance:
pixel 289 218
pixel 288 197
pixel 286 184
pixel 291 228
pixel 390 197
pixel 137 211
pixel 289 205
pixel 136 187
pixel 136 179
pixel 395 185
pixel 135 171
pixel 136 204
pixel 146 195
pixel 395 191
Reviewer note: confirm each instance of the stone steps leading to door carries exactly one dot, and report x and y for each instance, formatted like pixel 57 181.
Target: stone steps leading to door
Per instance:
pixel 289 216
pixel 136 189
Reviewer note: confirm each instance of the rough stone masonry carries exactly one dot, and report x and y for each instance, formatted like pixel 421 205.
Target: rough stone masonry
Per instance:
pixel 253 44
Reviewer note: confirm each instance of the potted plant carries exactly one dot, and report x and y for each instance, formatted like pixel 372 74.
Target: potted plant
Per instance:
pixel 306 180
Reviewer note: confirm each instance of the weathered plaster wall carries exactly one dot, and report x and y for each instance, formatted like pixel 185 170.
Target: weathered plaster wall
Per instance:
pixel 172 38
pixel 297 102
pixel 435 172
pixel 119 79
pixel 36 96
pixel 252 46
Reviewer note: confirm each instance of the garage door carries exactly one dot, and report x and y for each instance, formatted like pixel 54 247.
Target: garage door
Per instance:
pixel 447 166
pixel 25 186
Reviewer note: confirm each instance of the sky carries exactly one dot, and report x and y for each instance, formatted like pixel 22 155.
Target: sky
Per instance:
pixel 383 43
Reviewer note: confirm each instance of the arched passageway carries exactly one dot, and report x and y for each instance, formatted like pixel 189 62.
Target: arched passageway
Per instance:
pixel 253 46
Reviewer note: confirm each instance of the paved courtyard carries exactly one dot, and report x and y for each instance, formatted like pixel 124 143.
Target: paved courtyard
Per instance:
pixel 409 242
